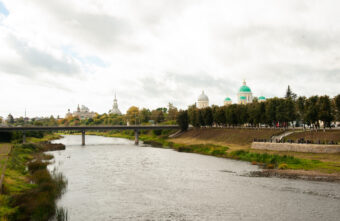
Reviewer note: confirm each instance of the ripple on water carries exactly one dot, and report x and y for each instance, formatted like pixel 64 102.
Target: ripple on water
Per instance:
pixel 112 179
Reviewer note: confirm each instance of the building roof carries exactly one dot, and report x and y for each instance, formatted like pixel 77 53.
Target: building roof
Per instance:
pixel 243 98
pixel 244 88
pixel 203 97
pixel 227 99
pixel 262 98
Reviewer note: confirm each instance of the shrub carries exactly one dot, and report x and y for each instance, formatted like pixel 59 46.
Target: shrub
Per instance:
pixel 270 166
pixel 36 165
pixel 282 166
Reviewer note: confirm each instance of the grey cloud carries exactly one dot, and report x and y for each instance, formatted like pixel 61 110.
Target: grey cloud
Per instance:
pixel 35 61
pixel 100 30
pixel 185 85
pixel 286 36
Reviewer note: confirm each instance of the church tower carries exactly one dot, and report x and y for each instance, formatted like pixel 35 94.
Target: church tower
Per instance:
pixel 115 109
pixel 245 96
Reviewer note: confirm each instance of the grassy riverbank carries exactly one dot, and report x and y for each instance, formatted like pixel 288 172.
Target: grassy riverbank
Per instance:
pixel 235 144
pixel 29 189
pixel 315 136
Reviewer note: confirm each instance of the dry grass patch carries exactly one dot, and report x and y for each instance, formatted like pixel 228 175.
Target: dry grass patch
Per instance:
pixel 233 138
pixel 315 136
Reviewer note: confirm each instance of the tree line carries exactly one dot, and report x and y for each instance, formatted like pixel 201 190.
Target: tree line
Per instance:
pixel 275 112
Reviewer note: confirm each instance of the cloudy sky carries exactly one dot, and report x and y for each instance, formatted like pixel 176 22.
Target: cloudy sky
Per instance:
pixel 59 53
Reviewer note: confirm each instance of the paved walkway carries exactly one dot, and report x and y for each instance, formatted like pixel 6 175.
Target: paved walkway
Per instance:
pixel 281 136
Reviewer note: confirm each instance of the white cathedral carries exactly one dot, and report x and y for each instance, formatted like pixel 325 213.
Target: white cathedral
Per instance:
pixel 115 109
pixel 244 96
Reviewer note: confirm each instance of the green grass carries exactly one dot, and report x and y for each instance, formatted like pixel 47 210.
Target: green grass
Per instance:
pixel 30 190
pixel 207 149
pixel 278 161
pixel 47 137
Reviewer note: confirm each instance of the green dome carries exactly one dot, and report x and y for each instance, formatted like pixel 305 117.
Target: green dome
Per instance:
pixel 243 98
pixel 262 98
pixel 245 88
pixel 227 99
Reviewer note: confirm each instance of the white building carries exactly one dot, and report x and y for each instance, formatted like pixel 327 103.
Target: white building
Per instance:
pixel 203 101
pixel 82 112
pixel 115 109
pixel 227 101
pixel 245 96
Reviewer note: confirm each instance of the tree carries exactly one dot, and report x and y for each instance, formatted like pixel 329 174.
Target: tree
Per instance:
pixel 172 112
pixel 157 115
pixel 231 115
pixel 144 115
pixel 312 110
pixel 10 119
pixel 301 110
pixel 337 106
pixel 290 110
pixel 325 111
pixel 131 114
pixel 208 116
pixel 192 114
pixel 220 117
pixel 290 94
pixel 271 109
pixel 183 120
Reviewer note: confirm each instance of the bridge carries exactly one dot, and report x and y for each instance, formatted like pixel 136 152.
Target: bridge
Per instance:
pixel 83 129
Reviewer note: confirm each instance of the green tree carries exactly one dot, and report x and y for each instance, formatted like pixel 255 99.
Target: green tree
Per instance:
pixel 193 116
pixel 325 111
pixel 312 110
pixel 183 120
pixel 231 115
pixel 290 94
pixel 144 115
pixel 271 109
pixel 301 110
pixel 208 116
pixel 337 106
pixel 290 110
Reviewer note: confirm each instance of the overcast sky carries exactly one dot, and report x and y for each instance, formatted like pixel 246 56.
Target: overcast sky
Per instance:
pixel 56 54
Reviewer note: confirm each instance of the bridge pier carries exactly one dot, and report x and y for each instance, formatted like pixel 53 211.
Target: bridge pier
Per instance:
pixel 83 137
pixel 23 137
pixel 136 137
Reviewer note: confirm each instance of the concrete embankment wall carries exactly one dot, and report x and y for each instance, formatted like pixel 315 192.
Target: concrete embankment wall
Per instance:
pixel 308 148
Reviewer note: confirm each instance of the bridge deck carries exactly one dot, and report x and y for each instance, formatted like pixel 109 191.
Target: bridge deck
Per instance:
pixel 85 128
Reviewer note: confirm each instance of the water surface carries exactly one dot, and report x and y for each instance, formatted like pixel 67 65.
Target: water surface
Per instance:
pixel 112 179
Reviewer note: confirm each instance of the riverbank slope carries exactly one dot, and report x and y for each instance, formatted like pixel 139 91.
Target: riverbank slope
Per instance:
pixel 29 190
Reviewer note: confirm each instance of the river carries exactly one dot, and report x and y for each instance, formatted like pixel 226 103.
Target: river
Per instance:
pixel 112 179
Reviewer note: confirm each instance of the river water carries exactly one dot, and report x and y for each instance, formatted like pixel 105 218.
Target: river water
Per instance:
pixel 112 179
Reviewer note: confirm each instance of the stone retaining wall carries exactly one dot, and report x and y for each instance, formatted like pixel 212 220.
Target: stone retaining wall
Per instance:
pixel 308 148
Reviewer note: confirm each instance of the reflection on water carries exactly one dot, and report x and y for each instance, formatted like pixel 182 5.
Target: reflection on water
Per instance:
pixel 112 179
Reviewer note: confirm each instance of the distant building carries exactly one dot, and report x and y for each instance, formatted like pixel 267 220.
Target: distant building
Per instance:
pixel 82 112
pixel 115 109
pixel 203 101
pixel 227 101
pixel 261 99
pixel 245 96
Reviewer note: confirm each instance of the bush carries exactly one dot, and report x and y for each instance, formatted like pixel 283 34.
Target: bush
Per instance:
pixel 36 165
pixel 270 166
pixel 282 166
pixel 157 132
